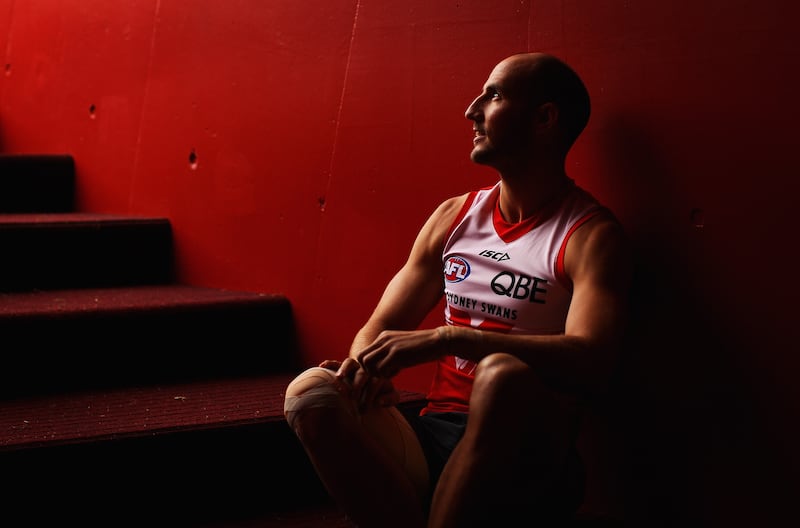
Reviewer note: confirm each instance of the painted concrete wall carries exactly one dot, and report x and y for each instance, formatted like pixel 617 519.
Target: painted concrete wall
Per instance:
pixel 298 146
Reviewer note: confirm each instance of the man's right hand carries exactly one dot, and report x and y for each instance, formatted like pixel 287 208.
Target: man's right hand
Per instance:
pixel 369 391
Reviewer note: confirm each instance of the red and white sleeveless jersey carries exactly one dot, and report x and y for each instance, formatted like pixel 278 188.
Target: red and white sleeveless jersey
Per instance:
pixel 505 278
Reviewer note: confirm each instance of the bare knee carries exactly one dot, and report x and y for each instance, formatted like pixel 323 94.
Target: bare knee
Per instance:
pixel 508 395
pixel 503 378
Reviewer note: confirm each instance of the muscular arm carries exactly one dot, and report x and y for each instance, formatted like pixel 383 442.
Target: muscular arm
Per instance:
pixel 411 294
pixel 418 285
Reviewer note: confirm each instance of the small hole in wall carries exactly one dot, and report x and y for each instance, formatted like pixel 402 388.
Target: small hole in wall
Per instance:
pixel 192 159
pixel 321 202
pixel 8 69
pixel 698 218
pixel 92 110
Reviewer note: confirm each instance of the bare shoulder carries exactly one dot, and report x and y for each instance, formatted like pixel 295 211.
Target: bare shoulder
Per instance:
pixel 431 238
pixel 451 206
pixel 602 227
pixel 605 224
pixel 600 243
pixel 445 214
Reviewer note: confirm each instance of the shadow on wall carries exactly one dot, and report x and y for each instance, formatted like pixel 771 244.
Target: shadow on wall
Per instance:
pixel 680 416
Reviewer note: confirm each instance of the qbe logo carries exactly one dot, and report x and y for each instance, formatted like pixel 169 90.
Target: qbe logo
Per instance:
pixel 456 269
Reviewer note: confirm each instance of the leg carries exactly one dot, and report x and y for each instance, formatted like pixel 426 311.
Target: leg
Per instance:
pixel 513 452
pixel 370 463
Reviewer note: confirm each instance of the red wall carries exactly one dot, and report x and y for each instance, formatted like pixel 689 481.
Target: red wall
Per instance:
pixel 326 131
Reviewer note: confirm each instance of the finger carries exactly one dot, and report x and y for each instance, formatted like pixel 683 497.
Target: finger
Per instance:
pixel 387 366
pixel 330 364
pixel 360 379
pixel 366 358
pixel 373 352
pixel 346 369
pixel 369 396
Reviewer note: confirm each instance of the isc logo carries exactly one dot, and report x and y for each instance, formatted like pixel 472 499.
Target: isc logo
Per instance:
pixel 496 255
pixel 456 269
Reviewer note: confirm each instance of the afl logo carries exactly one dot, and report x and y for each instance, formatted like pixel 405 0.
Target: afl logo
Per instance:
pixel 456 269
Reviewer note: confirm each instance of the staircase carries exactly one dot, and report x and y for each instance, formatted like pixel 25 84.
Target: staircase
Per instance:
pixel 127 398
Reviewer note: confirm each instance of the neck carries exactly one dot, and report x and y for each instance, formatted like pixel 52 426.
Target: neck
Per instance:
pixel 522 198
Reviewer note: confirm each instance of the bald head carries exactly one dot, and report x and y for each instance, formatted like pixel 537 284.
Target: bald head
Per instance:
pixel 546 78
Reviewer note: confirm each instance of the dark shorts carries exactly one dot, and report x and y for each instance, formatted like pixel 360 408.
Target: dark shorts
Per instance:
pixel 438 433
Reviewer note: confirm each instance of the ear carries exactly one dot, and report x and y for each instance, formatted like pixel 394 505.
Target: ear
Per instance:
pixel 546 116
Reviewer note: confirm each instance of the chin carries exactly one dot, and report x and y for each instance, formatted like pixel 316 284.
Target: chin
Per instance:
pixel 480 157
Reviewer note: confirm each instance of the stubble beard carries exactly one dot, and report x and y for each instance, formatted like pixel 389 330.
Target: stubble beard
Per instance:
pixel 480 156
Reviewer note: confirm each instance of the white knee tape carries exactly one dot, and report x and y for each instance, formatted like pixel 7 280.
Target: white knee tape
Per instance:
pixel 314 388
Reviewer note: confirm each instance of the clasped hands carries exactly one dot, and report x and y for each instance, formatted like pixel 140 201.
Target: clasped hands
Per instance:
pixel 367 375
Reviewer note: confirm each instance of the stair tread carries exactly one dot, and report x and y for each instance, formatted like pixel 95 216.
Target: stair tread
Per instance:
pixel 72 219
pixel 93 416
pixel 35 158
pixel 123 299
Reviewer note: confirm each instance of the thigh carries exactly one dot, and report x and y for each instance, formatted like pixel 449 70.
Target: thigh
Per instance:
pixel 315 397
pixel 391 429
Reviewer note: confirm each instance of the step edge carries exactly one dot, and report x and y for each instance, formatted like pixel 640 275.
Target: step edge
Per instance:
pixel 49 409
pixel 56 220
pixel 159 298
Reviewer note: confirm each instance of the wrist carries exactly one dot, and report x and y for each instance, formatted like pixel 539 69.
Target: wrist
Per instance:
pixel 467 338
pixel 444 334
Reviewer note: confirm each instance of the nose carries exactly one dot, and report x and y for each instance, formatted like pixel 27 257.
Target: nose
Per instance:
pixel 472 110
